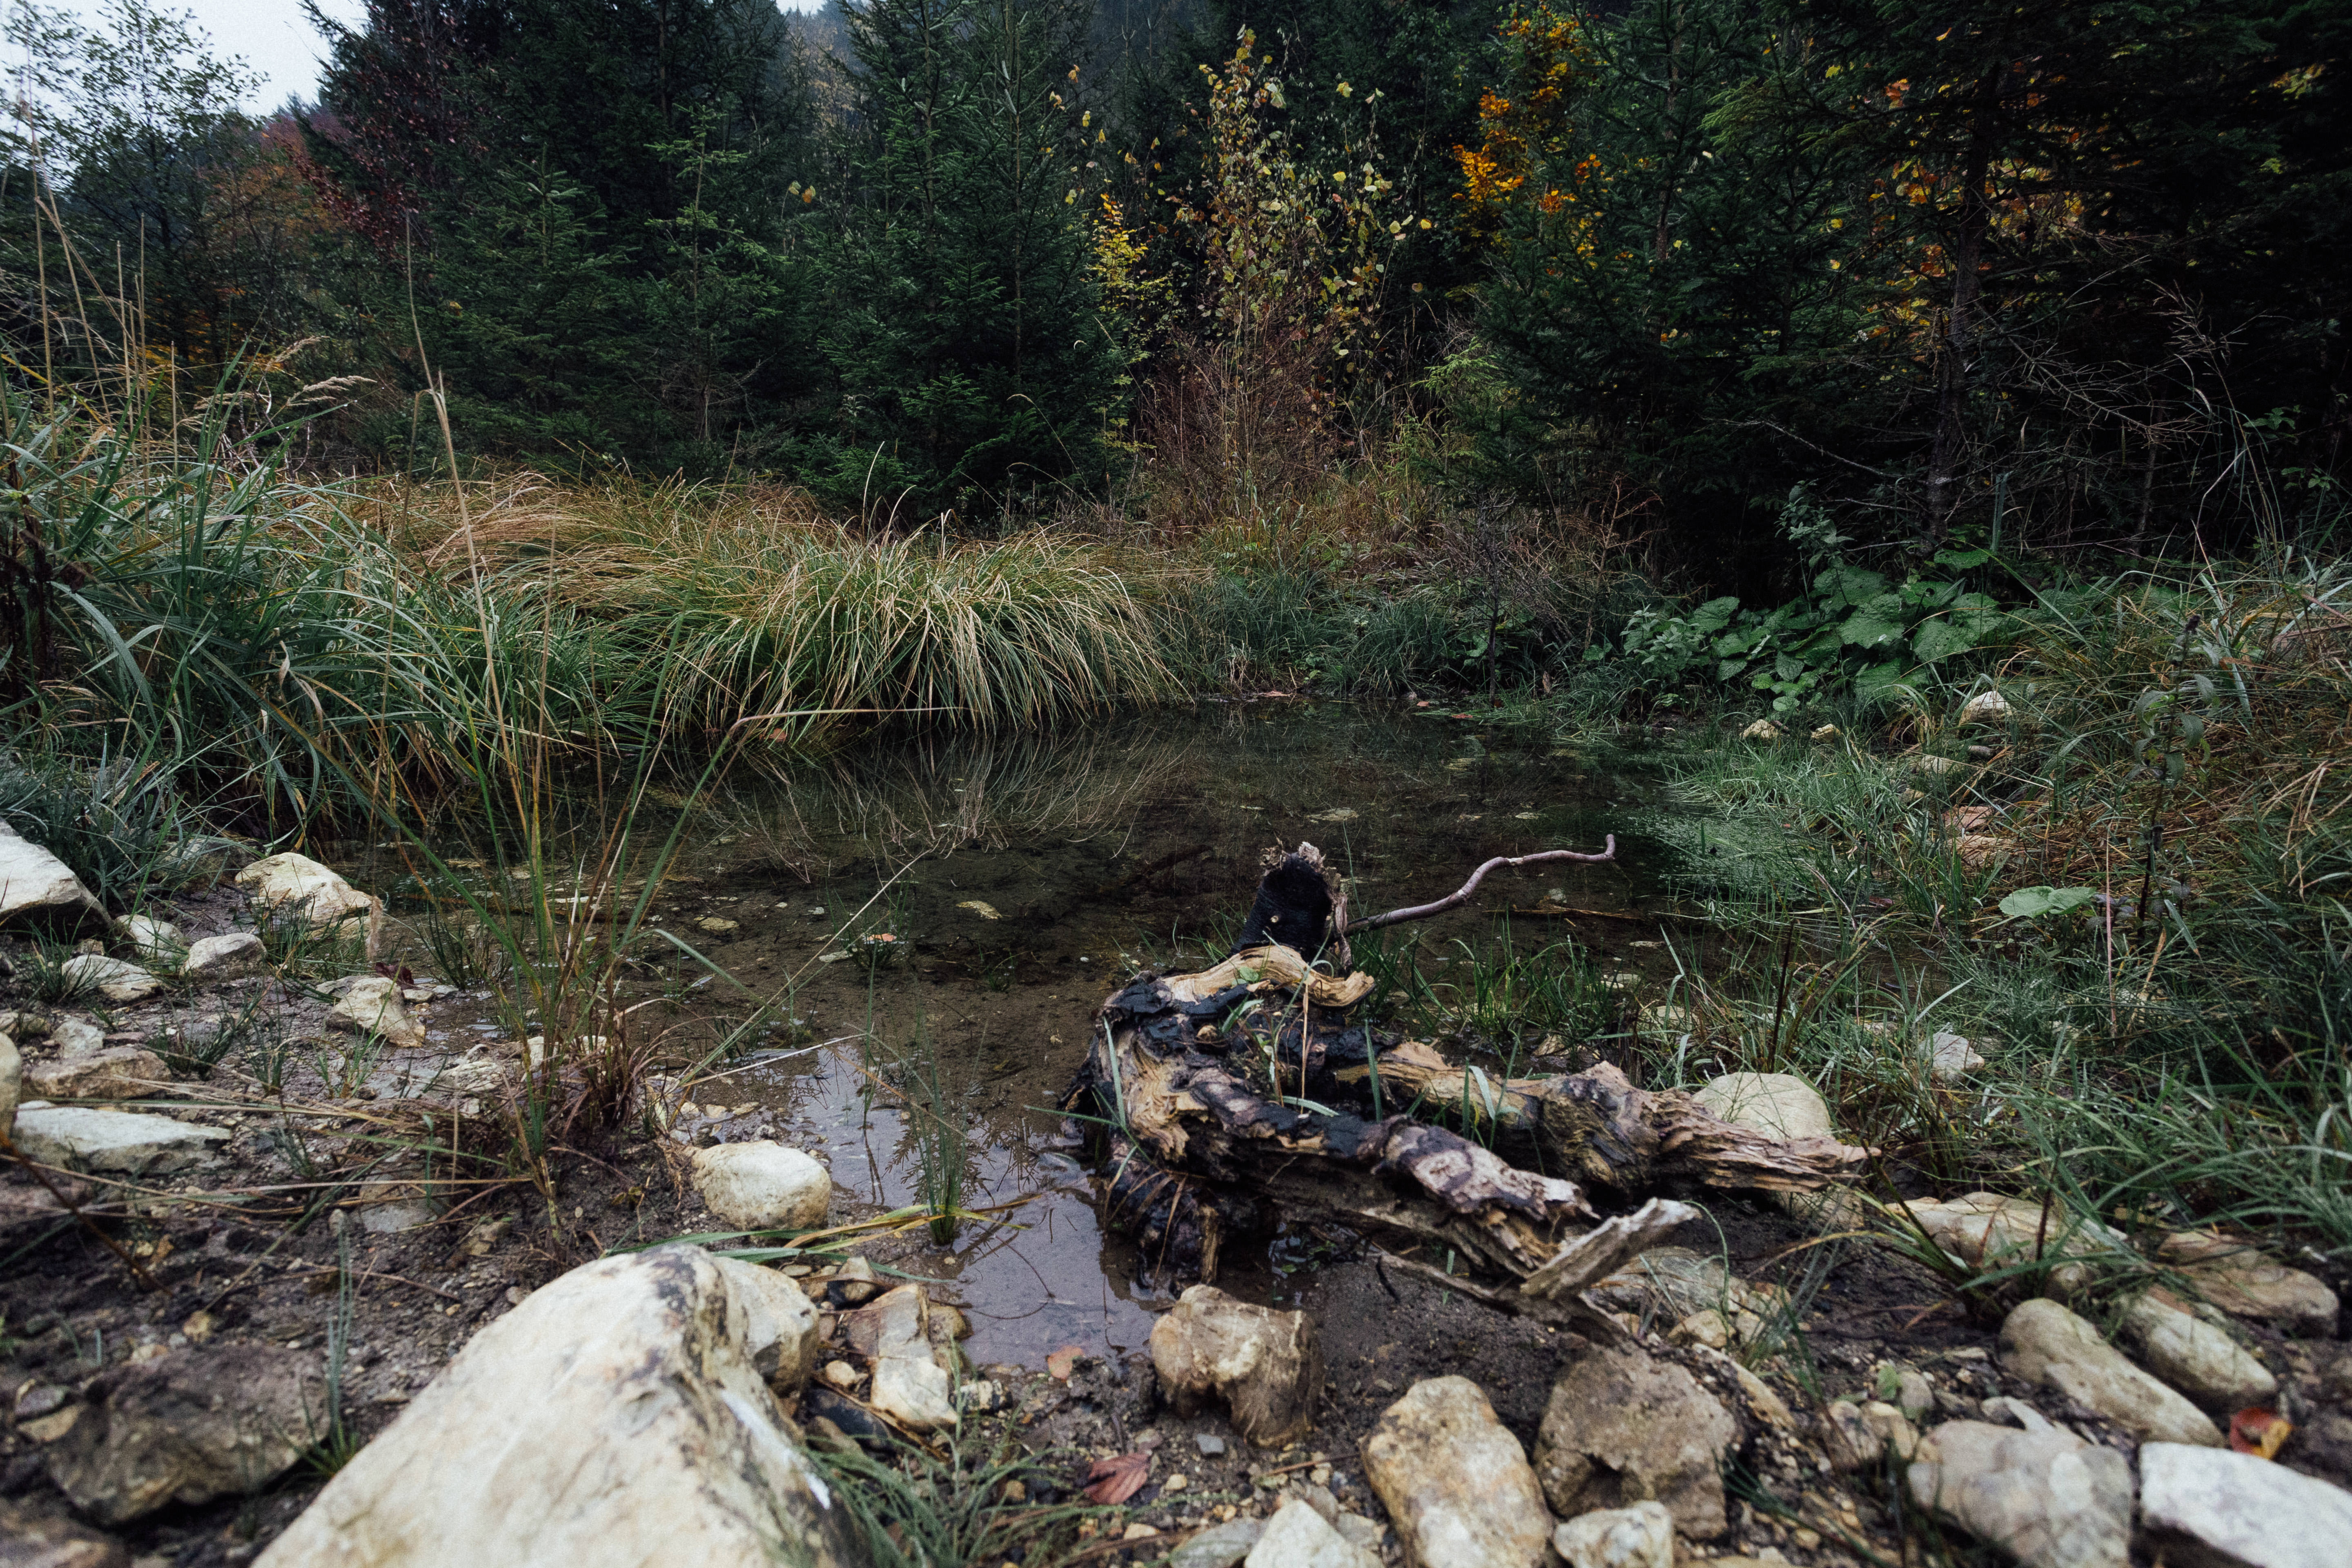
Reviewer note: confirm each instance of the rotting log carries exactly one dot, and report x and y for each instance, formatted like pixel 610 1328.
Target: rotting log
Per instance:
pixel 1256 1086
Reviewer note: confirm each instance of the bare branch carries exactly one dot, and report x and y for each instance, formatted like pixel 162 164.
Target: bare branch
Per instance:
pixel 1455 901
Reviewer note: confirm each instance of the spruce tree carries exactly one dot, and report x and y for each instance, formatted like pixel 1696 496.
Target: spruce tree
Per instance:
pixel 960 304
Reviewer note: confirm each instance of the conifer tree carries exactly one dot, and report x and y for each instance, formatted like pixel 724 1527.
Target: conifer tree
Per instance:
pixel 960 302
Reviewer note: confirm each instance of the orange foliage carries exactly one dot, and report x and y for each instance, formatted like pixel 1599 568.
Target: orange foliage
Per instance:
pixel 1527 122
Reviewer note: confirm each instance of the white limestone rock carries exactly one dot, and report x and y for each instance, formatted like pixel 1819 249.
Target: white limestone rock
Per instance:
pixel 1298 1537
pixel 112 1072
pixel 126 1141
pixel 75 1037
pixel 2207 1507
pixel 1265 1366
pixel 911 1385
pixel 36 885
pixel 2199 1359
pixel 1458 1485
pixel 1987 1231
pixel 1641 1536
pixel 2247 1283
pixel 1985 707
pixel 2043 1342
pixel 2048 1499
pixel 371 1005
pixel 1780 1103
pixel 761 1185
pixel 153 941
pixel 295 888
pixel 616 1418
pixel 111 978
pixel 224 957
pixel 1950 1058
pixel 1622 1427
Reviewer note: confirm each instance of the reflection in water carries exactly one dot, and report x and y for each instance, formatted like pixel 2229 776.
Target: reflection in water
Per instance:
pixel 1125 844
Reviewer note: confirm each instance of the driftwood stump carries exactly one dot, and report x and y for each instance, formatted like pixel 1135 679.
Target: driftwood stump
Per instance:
pixel 1257 1086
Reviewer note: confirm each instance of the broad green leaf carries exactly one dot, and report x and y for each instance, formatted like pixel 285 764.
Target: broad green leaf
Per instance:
pixel 2034 903
pixel 1942 638
pixel 1877 678
pixel 1714 615
pixel 1870 628
pixel 1850 585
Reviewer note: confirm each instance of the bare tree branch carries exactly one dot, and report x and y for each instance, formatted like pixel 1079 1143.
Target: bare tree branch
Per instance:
pixel 1455 901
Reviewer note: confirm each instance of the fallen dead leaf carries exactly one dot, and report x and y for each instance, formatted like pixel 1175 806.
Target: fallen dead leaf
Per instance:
pixel 1118 1478
pixel 1064 1362
pixel 2259 1432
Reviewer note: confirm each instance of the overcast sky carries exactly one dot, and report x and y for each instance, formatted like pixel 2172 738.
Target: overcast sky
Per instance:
pixel 275 38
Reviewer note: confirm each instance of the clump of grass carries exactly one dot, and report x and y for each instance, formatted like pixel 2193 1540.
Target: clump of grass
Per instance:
pixel 913 1510
pixel 299 947
pixel 42 975
pixel 941 1152
pixel 750 603
pixel 111 822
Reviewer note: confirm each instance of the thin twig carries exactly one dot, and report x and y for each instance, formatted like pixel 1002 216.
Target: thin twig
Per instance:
pixel 1457 899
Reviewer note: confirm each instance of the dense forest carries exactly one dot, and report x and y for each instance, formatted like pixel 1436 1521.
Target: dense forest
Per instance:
pixel 2068 276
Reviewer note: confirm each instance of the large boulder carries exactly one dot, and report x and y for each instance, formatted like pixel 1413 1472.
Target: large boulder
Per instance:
pixel 186 1427
pixel 290 888
pixel 1623 1428
pixel 34 884
pixel 2048 1499
pixel 615 1419
pixel 2204 1508
pixel 761 1185
pixel 2043 1342
pixel 1265 1366
pixel 128 1142
pixel 1455 1482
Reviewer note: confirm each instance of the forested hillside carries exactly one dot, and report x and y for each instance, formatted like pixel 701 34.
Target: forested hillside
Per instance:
pixel 2069 274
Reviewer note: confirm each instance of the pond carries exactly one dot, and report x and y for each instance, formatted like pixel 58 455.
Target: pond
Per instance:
pixel 968 901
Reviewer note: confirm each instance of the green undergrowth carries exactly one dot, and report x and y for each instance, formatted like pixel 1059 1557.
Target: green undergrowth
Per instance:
pixel 2122 881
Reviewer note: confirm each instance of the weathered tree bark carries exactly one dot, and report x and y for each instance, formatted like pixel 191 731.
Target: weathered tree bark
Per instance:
pixel 1250 1087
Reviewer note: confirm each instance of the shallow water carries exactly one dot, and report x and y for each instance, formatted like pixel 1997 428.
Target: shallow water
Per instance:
pixel 1018 879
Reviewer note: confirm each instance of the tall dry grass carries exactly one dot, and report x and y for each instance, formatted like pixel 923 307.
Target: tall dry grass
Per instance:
pixel 749 602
